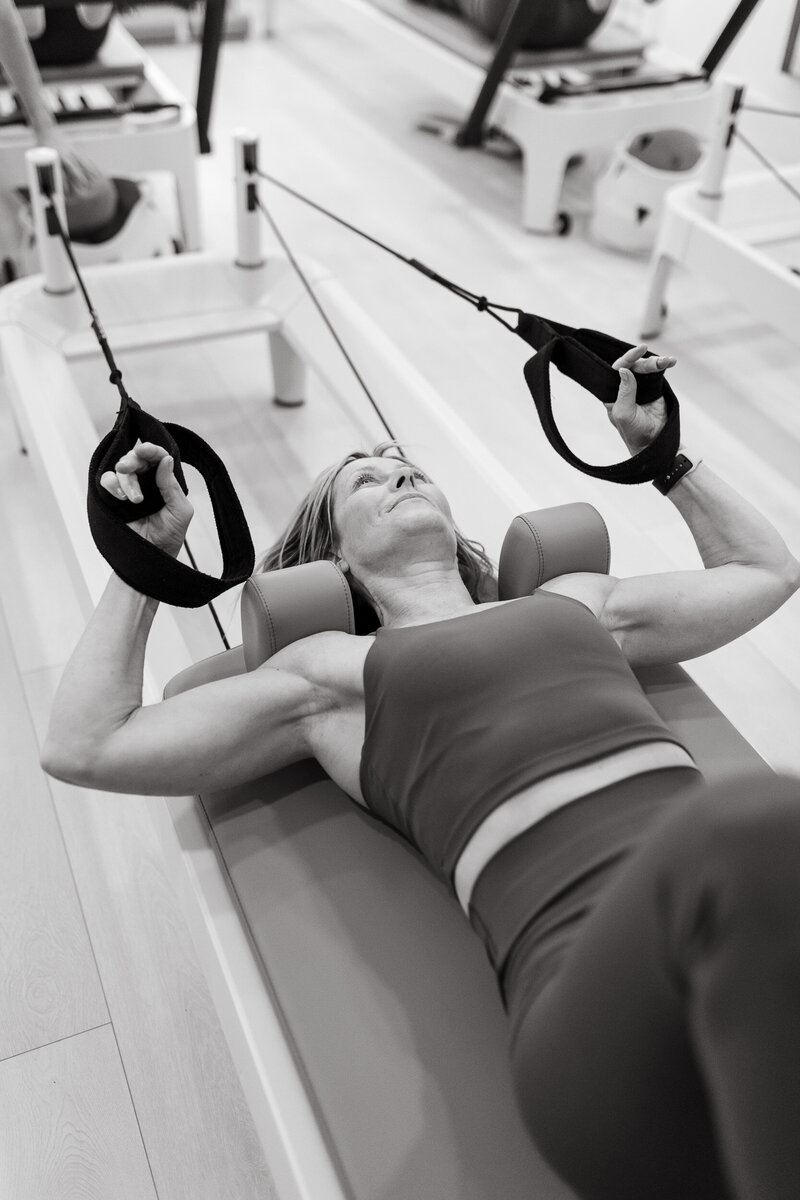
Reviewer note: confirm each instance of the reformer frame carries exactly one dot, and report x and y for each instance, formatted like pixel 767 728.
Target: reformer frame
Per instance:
pixel 165 141
pixel 42 329
pixel 549 135
pixel 213 22
pixel 740 232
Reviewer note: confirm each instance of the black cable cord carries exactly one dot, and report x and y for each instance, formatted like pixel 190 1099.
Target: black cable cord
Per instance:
pixel 773 112
pixel 55 225
pixel 312 296
pixel 479 302
pixel 770 166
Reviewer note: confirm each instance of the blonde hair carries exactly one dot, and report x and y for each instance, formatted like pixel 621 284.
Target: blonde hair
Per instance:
pixel 310 536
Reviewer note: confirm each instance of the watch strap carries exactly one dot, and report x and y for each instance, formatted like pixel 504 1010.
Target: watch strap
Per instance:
pixel 682 464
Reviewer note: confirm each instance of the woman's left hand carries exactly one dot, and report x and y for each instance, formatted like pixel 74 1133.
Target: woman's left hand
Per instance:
pixel 637 424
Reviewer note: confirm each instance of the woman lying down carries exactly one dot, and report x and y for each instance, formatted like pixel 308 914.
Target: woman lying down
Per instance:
pixel 645 927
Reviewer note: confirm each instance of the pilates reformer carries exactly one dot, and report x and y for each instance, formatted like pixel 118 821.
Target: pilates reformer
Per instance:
pixel 741 232
pixel 213 22
pixel 128 117
pixel 553 121
pixel 373 1062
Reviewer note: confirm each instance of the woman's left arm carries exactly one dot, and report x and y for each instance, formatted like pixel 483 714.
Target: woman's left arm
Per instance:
pixel 678 615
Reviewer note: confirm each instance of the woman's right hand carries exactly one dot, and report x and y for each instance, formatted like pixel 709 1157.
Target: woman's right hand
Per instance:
pixel 166 528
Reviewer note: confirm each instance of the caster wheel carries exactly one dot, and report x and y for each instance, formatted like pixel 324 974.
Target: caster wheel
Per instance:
pixel 563 224
pixel 177 246
pixel 7 272
pixel 664 312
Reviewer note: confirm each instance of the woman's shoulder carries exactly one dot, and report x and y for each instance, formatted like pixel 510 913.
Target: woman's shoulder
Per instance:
pixel 589 589
pixel 329 659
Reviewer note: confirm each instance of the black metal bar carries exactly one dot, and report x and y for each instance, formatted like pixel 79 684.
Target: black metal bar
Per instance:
pixel 515 23
pixel 727 37
pixel 212 36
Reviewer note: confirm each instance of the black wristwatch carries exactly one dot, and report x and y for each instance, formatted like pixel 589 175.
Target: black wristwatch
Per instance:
pixel 681 466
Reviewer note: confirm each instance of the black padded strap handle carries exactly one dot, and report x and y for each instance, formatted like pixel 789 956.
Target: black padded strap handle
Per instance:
pixel 139 563
pixel 586 355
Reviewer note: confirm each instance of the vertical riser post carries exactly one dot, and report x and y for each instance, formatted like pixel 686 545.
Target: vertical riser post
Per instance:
pixel 248 218
pixel 41 163
pixel 729 101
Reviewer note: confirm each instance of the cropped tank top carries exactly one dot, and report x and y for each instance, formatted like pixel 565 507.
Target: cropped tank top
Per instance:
pixel 464 713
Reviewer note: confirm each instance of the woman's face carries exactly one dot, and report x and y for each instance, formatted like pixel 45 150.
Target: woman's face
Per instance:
pixel 383 507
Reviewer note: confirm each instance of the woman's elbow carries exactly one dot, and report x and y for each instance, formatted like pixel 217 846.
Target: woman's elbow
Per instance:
pixel 67 764
pixel 793 575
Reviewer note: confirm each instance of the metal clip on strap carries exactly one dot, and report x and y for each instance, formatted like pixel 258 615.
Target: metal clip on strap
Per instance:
pixel 585 355
pixel 139 563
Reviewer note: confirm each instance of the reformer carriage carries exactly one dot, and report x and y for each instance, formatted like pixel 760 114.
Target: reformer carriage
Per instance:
pixel 374 1060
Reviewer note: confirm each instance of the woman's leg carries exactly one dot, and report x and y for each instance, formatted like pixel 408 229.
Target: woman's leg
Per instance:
pixel 662 1062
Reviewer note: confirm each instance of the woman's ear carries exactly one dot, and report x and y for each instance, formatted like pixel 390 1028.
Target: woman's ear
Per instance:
pixel 342 564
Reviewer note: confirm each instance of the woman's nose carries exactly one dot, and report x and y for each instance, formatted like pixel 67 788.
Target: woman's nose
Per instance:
pixel 404 477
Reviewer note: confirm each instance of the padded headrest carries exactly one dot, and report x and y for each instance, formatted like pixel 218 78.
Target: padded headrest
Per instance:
pixel 280 607
pixel 549 542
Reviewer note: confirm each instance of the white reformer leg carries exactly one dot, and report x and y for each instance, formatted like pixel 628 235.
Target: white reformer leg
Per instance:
pixel 542 182
pixel 655 307
pixel 288 372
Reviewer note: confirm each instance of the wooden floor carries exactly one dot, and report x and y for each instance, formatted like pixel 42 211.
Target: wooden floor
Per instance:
pixel 114 1075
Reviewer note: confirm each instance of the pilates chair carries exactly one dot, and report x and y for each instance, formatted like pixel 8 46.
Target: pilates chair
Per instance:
pixel 383 1073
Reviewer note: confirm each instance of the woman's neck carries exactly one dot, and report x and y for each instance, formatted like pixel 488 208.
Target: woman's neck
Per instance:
pixel 426 595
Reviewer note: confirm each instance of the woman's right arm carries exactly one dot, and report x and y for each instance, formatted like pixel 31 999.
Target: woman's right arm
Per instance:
pixel 217 735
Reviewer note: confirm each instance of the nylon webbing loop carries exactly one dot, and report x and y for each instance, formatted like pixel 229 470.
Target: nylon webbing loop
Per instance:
pixel 138 562
pixel 585 355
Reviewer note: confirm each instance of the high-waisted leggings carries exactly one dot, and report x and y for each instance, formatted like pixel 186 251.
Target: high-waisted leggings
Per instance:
pixel 654 998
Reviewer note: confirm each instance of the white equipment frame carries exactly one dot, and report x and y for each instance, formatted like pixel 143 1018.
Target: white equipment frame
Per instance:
pixel 739 233
pixel 549 135
pixel 160 141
